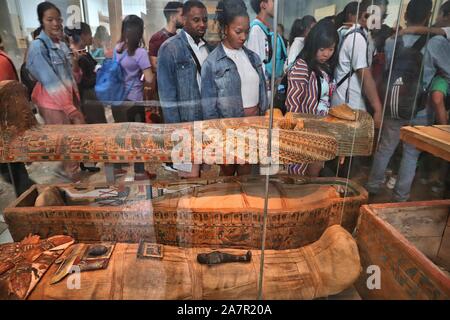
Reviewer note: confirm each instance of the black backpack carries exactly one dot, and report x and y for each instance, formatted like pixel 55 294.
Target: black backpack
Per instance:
pixel 25 76
pixel 281 92
pixel 403 102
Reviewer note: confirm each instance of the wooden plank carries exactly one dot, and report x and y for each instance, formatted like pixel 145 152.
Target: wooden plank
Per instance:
pixel 433 140
pixel 23 140
pixel 435 133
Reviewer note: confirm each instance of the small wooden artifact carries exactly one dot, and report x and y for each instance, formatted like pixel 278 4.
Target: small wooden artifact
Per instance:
pixel 343 111
pixel 432 139
pixel 324 268
pixel 221 213
pixel 23 264
pixel 150 250
pixel 405 249
pixel 23 140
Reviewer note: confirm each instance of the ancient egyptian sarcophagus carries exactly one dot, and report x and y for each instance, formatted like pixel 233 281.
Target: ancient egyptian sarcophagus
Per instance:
pixel 321 269
pixel 220 213
pixel 409 246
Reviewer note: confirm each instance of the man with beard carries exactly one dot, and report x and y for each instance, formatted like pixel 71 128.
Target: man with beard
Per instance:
pixel 180 61
pixel 173 12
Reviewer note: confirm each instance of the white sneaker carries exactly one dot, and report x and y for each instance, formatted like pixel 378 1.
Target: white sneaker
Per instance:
pixel 391 183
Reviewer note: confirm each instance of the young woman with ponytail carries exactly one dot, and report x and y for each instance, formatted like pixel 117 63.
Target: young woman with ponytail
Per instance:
pixel 55 67
pixel 299 31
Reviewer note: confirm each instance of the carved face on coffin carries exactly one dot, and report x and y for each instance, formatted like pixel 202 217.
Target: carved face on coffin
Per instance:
pixel 15 109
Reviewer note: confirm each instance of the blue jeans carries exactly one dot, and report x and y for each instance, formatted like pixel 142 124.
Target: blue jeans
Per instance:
pixel 390 138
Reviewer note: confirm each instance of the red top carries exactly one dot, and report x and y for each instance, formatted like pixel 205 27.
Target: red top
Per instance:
pixel 7 69
pixel 157 40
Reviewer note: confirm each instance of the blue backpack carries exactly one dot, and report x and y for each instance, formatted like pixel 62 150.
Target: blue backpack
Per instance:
pixel 110 83
pixel 281 55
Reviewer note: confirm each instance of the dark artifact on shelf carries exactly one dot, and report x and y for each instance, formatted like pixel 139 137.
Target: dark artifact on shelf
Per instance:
pixel 405 251
pixel 431 139
pixel 218 257
pixel 225 212
pixel 324 268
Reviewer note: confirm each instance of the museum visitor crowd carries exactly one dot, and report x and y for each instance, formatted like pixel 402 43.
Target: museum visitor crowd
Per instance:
pixel 338 60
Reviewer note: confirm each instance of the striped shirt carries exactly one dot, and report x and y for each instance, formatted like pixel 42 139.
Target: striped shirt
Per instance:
pixel 303 97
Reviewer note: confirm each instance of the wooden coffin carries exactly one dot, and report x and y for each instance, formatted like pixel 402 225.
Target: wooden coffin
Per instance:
pixel 226 212
pixel 23 140
pixel 410 243
pixel 326 267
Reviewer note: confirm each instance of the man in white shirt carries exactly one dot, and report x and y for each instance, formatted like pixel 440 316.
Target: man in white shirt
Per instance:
pixel 180 61
pixel 355 60
pixel 257 38
pixel 200 51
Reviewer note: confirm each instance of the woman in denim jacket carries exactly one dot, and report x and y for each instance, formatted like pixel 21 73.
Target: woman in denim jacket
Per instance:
pixel 55 68
pixel 233 83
